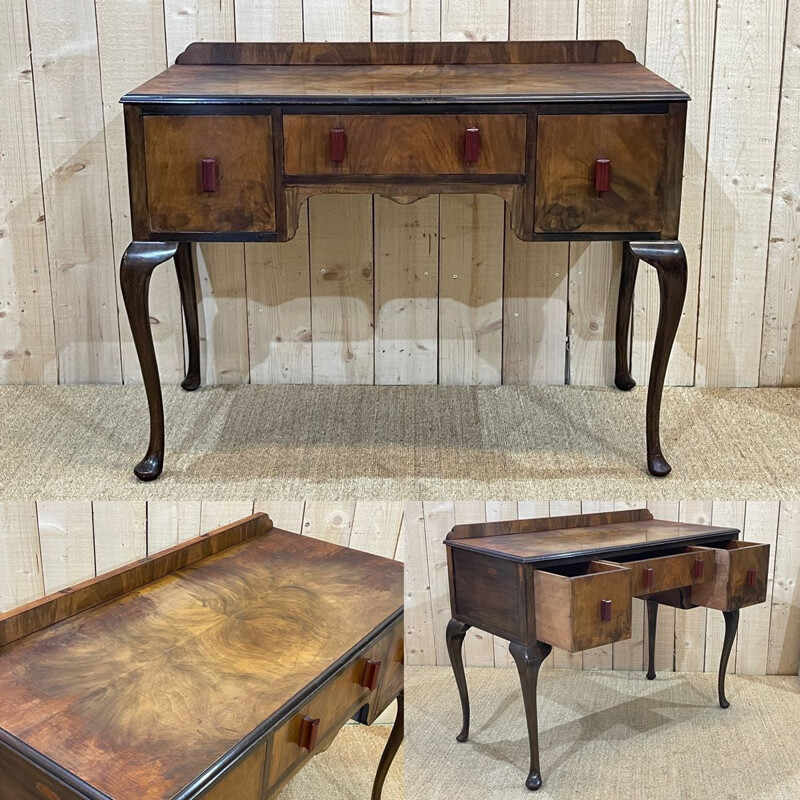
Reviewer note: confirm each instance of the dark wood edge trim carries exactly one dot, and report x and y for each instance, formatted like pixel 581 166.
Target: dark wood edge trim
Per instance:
pixel 137 172
pixel 280 179
pixel 217 771
pixel 55 772
pixel 565 51
pixel 673 170
pixel 719 535
pixel 56 607
pixel 420 101
pixel 480 530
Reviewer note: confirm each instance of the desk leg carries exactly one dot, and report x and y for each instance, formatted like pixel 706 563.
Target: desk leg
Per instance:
pixel 138 263
pixel 529 660
pixel 184 267
pixel 652 616
pixel 731 625
pixel 390 751
pixel 456 631
pixel 627 281
pixel 669 261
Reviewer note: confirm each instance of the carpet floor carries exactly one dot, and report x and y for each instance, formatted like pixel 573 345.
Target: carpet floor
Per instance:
pixel 604 735
pixel 346 770
pixel 326 442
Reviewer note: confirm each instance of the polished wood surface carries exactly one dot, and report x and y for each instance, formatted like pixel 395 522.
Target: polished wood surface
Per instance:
pixel 404 144
pixel 567 150
pixel 569 582
pixel 148 693
pixel 439 83
pixel 240 149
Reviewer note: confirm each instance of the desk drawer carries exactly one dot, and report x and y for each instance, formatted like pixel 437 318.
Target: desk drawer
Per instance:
pixel 693 566
pixel 582 606
pixel 404 144
pixel 742 569
pixel 314 726
pixel 568 177
pixel 210 173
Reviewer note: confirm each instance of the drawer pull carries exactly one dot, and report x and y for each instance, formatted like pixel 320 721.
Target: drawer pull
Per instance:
pixel 751 578
pixel 308 732
pixel 369 680
pixel 472 145
pixel 648 577
pixel 605 610
pixel 602 175
pixel 338 145
pixel 209 170
pixel 699 567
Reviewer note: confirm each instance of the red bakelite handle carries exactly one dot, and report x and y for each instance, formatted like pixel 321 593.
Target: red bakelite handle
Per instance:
pixel 369 680
pixel 648 577
pixel 699 567
pixel 751 577
pixel 338 145
pixel 472 145
pixel 605 610
pixel 208 168
pixel 602 175
pixel 309 728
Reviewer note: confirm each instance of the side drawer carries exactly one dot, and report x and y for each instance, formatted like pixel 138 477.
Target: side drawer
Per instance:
pixel 319 720
pixel 404 144
pixel 693 566
pixel 210 173
pixel 582 605
pixel 567 181
pixel 742 569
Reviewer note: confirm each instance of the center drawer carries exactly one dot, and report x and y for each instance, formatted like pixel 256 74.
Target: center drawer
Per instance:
pixel 404 144
pixel 582 605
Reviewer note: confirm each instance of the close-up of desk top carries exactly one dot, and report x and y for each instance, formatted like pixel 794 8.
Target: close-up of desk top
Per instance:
pixel 142 694
pixel 519 540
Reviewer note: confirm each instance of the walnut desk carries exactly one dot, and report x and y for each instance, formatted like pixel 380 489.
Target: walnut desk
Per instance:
pixel 581 141
pixel 568 582
pixel 213 670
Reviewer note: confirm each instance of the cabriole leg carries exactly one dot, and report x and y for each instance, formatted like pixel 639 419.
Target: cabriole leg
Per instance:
pixel 731 625
pixel 456 631
pixel 390 751
pixel 529 660
pixel 138 263
pixel 627 281
pixel 184 267
pixel 669 261
pixel 652 616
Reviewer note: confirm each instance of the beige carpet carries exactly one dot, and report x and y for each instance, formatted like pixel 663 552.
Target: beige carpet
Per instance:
pixel 324 442
pixel 346 770
pixel 604 735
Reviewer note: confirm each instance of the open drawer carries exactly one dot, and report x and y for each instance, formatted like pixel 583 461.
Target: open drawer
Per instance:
pixel 691 566
pixel 579 606
pixel 741 577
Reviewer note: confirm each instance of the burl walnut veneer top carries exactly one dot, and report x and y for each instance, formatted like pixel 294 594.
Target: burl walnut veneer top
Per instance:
pixel 141 695
pixel 423 84
pixel 590 541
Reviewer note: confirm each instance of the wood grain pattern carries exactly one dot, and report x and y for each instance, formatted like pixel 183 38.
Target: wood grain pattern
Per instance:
pixel 730 590
pixel 567 149
pixel 407 144
pixel 155 695
pixel 671 571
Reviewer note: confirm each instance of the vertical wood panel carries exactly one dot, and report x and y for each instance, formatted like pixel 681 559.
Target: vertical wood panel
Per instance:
pixel 21 578
pixel 66 537
pixel 439 519
pixel 680 47
pixel 406 285
pixel 126 61
pixel 474 19
pixel 741 153
pixel 26 312
pixel 405 20
pixel 329 520
pixel 376 527
pixel 214 513
pixel 269 20
pixel 120 533
pixel 73 159
pixel 780 347
pixel 419 626
pixel 169 523
pixel 286 514
pixel 783 657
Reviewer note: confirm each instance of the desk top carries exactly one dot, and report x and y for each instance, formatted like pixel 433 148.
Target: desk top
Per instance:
pixel 424 74
pixel 583 536
pixel 167 678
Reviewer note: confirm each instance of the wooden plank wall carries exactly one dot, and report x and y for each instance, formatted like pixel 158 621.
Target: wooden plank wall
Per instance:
pixel 373 292
pixel 768 641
